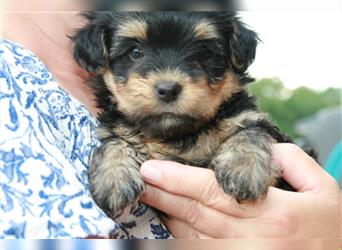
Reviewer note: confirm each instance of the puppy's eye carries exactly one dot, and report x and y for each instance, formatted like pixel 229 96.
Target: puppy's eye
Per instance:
pixel 136 53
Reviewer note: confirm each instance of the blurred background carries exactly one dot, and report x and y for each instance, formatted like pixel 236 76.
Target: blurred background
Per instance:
pixel 298 77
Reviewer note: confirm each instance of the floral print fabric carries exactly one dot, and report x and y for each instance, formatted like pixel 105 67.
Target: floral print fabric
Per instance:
pixel 46 138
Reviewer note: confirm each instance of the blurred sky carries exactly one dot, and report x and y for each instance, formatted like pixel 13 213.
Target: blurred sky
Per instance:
pixel 299 47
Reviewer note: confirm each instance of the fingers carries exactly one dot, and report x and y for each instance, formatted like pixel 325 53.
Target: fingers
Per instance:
pixel 300 170
pixel 196 183
pixel 192 219
pixel 203 219
pixel 181 230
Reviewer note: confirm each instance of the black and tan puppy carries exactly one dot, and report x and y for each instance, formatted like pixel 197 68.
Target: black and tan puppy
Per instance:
pixel 171 87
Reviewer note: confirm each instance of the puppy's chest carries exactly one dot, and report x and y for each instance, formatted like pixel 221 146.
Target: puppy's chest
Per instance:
pixel 198 152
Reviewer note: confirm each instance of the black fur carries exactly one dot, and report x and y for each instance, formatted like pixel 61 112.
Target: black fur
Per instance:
pixel 171 42
pixel 98 38
pixel 90 43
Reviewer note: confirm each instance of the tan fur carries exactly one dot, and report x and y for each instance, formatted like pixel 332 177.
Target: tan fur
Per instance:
pixel 243 165
pixel 212 95
pixel 103 133
pixel 236 62
pixel 105 50
pixel 239 153
pixel 245 155
pixel 206 146
pixel 174 75
pixel 138 94
pixel 207 143
pixel 134 28
pixel 205 30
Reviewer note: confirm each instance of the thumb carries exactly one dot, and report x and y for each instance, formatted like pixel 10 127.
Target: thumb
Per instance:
pixel 300 170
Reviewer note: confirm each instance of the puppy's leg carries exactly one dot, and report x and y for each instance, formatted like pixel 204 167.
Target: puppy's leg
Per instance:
pixel 114 176
pixel 243 165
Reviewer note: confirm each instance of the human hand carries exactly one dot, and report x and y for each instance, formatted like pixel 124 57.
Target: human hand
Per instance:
pixel 199 208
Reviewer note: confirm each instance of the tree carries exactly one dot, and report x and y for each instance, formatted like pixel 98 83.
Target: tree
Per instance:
pixel 286 106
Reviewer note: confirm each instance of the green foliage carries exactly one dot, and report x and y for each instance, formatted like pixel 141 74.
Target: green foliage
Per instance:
pixel 286 107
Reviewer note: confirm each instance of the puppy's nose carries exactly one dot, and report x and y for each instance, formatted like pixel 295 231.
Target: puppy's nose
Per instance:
pixel 168 91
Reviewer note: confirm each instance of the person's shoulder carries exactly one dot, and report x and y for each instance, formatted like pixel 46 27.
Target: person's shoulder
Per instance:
pixel 30 93
pixel 24 79
pixel 22 64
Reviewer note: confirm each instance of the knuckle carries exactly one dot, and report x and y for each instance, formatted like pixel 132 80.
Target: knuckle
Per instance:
pixel 210 192
pixel 193 212
pixel 294 149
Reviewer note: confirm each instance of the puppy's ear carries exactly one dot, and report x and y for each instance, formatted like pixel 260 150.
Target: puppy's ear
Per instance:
pixel 243 46
pixel 89 43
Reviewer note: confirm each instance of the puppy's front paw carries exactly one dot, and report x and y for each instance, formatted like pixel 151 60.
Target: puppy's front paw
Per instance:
pixel 244 186
pixel 116 190
pixel 114 176
pixel 125 192
pixel 245 177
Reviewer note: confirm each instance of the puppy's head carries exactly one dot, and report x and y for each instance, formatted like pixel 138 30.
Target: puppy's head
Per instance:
pixel 168 72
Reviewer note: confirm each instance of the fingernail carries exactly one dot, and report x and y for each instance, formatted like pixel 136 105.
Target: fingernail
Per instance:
pixel 150 173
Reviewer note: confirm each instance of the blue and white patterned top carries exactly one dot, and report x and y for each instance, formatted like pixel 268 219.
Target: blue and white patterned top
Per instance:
pixel 46 137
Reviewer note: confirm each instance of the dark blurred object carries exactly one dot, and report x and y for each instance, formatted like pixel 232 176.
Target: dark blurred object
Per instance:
pixel 322 131
pixel 164 5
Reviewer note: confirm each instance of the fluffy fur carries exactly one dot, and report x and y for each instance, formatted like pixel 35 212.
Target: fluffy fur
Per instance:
pixel 171 87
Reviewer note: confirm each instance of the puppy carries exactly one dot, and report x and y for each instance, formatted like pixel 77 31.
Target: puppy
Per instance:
pixel 171 86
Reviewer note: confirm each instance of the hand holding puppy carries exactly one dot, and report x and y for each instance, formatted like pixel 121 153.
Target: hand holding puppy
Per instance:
pixel 200 209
